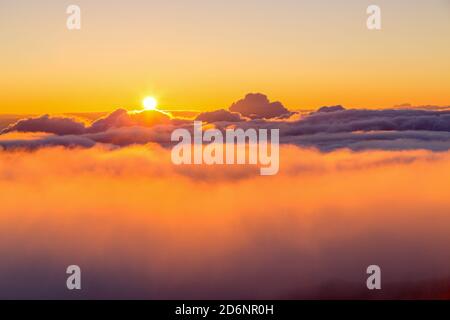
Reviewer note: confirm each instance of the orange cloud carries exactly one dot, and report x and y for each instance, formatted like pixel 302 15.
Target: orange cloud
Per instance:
pixel 141 227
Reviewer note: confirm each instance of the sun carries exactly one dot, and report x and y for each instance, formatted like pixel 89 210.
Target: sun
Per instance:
pixel 150 103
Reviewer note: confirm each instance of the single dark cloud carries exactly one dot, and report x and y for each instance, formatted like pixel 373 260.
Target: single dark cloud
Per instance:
pixel 331 108
pixel 258 106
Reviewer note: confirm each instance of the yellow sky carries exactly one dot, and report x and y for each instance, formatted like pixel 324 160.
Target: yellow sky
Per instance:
pixel 197 54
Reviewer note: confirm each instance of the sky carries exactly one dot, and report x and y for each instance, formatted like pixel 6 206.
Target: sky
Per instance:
pixel 103 192
pixel 204 55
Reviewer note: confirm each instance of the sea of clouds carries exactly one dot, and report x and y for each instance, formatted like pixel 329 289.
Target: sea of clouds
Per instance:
pixel 141 227
pixel 355 188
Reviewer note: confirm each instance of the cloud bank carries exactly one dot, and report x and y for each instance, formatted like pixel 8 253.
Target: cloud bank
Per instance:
pixel 328 128
pixel 140 227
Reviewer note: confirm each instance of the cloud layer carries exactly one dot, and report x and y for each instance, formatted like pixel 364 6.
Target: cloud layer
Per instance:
pixel 329 128
pixel 140 227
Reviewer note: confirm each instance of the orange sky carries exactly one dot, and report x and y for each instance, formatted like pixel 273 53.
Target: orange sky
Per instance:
pixel 202 55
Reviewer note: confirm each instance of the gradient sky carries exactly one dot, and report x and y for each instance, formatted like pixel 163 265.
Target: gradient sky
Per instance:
pixel 205 54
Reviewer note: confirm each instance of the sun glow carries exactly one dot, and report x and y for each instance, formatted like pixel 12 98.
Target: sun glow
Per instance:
pixel 150 103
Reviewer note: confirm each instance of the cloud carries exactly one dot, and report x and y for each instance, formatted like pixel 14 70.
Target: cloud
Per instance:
pixel 56 125
pixel 219 115
pixel 140 227
pixel 71 126
pixel 424 107
pixel 371 120
pixel 331 109
pixel 69 141
pixel 258 106
pixel 385 140
pixel 122 118
pixel 134 135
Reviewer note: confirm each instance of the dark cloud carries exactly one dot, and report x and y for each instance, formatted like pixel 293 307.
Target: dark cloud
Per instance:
pixel 68 141
pixel 219 115
pixel 331 108
pixel 122 118
pixel 55 125
pixel 258 106
pixel 388 140
pixel 371 120
pixel 71 126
